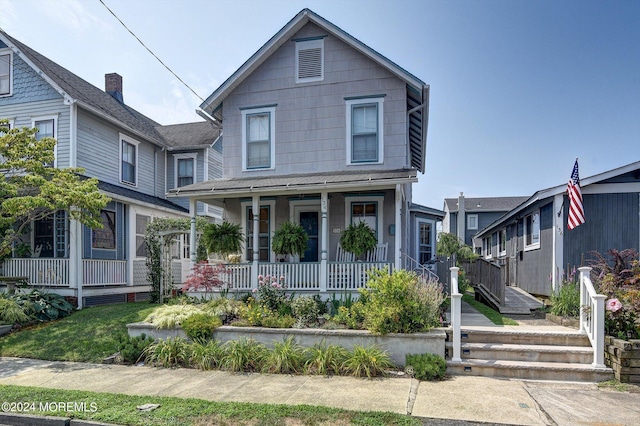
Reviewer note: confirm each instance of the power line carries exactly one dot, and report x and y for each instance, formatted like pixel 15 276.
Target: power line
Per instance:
pixel 149 50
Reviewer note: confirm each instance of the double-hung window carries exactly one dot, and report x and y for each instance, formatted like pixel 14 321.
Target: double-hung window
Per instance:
pixel 128 161
pixel 532 231
pixel 257 136
pixel 472 222
pixel 46 127
pixel 365 209
pixel 141 228
pixel 6 65
pixel 365 130
pixel 185 169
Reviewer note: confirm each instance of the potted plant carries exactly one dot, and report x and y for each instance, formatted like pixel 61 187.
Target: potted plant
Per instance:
pixel 290 238
pixel 223 238
pixel 358 239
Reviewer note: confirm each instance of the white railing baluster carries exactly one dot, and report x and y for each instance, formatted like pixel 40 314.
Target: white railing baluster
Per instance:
pixel 592 315
pixel 456 314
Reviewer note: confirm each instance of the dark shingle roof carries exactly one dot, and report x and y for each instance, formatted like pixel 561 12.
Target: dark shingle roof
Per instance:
pixel 88 94
pixel 488 204
pixel 189 135
pixel 139 196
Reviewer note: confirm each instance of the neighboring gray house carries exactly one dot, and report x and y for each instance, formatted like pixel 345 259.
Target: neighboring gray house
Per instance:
pixel 322 130
pixel 537 244
pixel 464 217
pixel 135 159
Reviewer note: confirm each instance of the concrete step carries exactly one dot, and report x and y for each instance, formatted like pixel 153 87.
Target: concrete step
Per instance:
pixel 523 337
pixel 530 370
pixel 531 353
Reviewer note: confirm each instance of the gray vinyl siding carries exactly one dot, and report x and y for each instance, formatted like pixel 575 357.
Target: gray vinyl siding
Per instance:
pixel 215 163
pixel 534 266
pixel 28 86
pixel 310 118
pixel 199 176
pixel 612 222
pixel 99 153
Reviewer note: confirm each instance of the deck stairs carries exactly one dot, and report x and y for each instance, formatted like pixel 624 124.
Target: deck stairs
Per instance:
pixel 534 354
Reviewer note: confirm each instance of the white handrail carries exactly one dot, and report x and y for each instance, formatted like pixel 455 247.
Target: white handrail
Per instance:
pixel 592 316
pixel 456 314
pixel 413 265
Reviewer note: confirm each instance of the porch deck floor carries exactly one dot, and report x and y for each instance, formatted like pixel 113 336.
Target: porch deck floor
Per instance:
pixel 518 302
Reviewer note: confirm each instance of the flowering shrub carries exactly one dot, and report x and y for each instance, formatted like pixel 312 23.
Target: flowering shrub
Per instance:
pixel 204 276
pixel 271 292
pixel 305 310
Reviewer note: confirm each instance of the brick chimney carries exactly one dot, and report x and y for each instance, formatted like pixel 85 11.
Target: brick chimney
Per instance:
pixel 113 86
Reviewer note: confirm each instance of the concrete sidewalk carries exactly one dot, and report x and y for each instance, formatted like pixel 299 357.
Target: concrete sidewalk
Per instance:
pixel 478 399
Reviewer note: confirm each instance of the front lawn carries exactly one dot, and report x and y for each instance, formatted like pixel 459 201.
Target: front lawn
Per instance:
pixel 88 335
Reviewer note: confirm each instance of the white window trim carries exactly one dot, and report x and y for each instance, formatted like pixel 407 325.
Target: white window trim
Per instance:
pixel 272 132
pixel 272 224
pixel 349 104
pixel 53 117
pixel 185 156
pixel 487 243
pixel 379 212
pixel 135 143
pixel 532 246
pixel 432 242
pixel 309 44
pixel 297 206
pixel 11 70
pixel 469 227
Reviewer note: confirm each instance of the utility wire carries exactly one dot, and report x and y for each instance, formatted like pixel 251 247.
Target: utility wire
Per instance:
pixel 149 50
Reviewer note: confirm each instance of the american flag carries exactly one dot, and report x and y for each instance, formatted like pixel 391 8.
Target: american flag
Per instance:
pixel 576 211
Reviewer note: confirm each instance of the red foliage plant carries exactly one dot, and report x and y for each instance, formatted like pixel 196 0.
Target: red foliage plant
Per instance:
pixel 204 276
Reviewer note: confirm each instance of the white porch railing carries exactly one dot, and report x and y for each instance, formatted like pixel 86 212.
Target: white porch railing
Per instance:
pixel 39 271
pixel 104 272
pixel 238 276
pixel 411 264
pixel 351 275
pixel 298 276
pixel 592 315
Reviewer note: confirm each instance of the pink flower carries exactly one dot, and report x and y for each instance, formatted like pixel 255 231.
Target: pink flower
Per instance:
pixel 281 277
pixel 260 282
pixel 613 305
pixel 274 285
pixel 255 290
pixel 267 278
pixel 260 277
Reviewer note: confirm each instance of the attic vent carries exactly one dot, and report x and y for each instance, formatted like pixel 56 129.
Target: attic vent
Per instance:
pixel 309 61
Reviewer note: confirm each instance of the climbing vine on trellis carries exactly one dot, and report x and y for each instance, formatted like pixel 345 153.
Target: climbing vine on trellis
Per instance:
pixel 161 233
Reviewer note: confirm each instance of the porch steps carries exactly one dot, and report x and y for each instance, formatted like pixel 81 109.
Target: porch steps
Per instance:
pixel 526 354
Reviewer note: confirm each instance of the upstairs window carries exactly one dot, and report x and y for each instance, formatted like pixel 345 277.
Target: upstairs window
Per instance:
pixel 258 141
pixel 46 129
pixel 309 60
pixel 364 131
pixel 128 161
pixel 532 231
pixel 6 82
pixel 472 222
pixel 185 169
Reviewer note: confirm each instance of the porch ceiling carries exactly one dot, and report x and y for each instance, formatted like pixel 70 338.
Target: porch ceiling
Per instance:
pixel 302 183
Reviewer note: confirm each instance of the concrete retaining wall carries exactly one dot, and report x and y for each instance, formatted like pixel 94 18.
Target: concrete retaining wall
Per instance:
pixel 397 345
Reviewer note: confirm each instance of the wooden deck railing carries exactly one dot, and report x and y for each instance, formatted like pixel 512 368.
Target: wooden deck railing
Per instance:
pixel 487 275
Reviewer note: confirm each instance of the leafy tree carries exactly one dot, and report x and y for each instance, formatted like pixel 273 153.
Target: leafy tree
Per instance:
pixel 449 245
pixel 31 189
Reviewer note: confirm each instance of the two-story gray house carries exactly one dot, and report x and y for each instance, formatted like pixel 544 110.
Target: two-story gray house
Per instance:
pixel 321 130
pixel 135 159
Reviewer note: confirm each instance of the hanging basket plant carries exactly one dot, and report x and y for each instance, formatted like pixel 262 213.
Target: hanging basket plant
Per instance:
pixel 358 239
pixel 223 238
pixel 289 238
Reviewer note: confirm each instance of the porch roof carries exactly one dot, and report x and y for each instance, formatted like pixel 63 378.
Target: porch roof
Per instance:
pixel 307 183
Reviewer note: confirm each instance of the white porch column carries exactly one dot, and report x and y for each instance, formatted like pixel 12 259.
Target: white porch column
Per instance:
pixel 193 248
pixel 255 209
pixel 456 314
pixel 399 228
pixel 75 258
pixel 324 241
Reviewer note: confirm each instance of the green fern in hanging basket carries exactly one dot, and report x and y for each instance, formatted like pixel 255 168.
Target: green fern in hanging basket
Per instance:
pixel 358 239
pixel 289 238
pixel 223 238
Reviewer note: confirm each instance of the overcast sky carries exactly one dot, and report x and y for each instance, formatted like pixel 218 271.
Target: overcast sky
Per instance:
pixel 519 89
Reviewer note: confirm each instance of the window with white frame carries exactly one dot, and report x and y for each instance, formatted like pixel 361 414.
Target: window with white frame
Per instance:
pixel 46 129
pixel 367 210
pixel 309 60
pixel 128 160
pixel 425 243
pixel 6 68
pixel 532 230
pixel 472 221
pixel 141 228
pixel 258 138
pixel 502 242
pixel 185 165
pixel 105 237
pixel 365 130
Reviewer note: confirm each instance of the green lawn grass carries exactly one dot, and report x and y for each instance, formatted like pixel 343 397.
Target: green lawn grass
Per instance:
pixel 493 315
pixel 121 409
pixel 88 335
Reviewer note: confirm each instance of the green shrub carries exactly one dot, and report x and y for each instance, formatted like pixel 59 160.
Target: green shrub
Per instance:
pixel 325 359
pixel 401 302
pixel 171 316
pixel 243 355
pixel 227 309
pixel 254 313
pixel 206 354
pixel 369 361
pixel 426 366
pixel 200 326
pixel 305 311
pixel 566 301
pixel 286 357
pixel 132 348
pixel 45 306
pixel 172 352
pixel 322 304
pixel 278 321
pixel 11 312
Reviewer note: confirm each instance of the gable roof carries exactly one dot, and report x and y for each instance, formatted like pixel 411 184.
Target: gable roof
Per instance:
pixel 417 90
pixel 485 204
pixel 76 89
pixel 196 135
pixel 632 170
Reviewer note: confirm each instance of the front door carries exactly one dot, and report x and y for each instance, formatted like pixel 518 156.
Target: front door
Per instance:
pixel 309 222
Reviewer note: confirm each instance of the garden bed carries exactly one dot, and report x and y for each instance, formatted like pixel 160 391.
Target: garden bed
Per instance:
pixel 396 345
pixel 624 358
